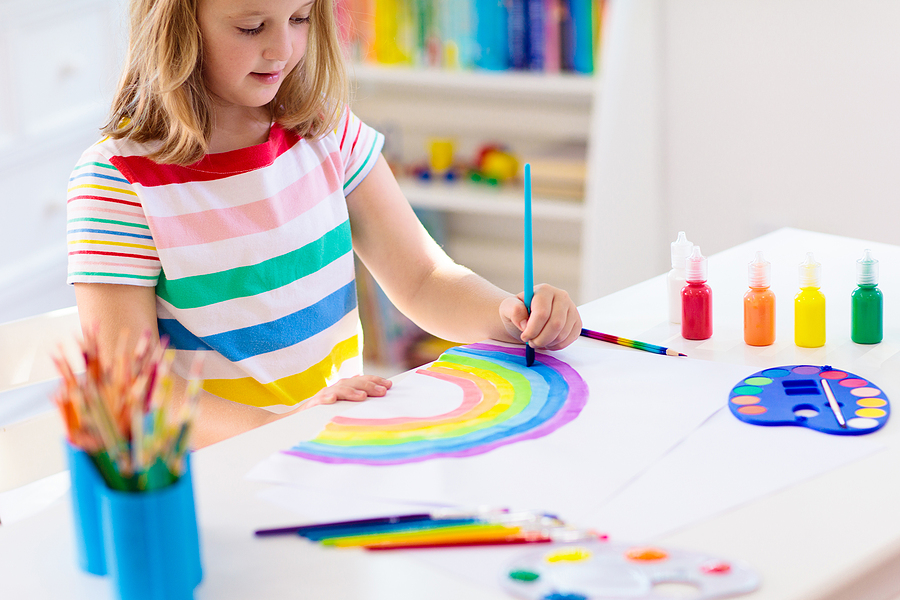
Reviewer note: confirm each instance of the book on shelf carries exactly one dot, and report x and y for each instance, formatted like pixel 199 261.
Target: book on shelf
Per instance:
pixel 495 35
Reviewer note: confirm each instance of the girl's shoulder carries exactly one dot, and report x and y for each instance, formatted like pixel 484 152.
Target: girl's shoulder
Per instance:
pixel 110 147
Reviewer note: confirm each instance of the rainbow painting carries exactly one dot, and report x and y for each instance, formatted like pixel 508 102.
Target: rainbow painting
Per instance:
pixel 504 402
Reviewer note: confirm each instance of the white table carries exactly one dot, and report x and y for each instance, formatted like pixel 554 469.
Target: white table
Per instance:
pixel 835 536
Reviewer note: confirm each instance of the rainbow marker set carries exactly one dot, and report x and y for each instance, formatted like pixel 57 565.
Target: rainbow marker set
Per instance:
pixel 445 528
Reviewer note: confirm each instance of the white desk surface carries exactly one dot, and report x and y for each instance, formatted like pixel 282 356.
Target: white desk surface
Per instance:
pixel 835 536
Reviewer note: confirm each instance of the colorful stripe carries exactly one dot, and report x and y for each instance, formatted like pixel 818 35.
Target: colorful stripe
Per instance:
pixel 290 390
pixel 247 342
pixel 142 170
pixel 207 226
pixel 241 282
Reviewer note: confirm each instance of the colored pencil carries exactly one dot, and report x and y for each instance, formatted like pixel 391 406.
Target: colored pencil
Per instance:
pixel 489 538
pixel 529 265
pixel 614 339
pixel 387 529
pixel 343 525
pixel 441 514
pixel 508 541
pixel 470 532
pixel 121 412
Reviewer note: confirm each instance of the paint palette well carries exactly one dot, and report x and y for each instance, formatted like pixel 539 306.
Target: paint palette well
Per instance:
pixel 604 571
pixel 796 395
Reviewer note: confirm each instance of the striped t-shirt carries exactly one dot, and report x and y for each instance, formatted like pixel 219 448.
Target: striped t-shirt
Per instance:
pixel 249 250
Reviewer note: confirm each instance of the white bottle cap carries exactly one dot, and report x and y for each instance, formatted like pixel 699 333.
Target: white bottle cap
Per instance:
pixel 810 272
pixel 681 249
pixel 867 270
pixel 695 268
pixel 759 271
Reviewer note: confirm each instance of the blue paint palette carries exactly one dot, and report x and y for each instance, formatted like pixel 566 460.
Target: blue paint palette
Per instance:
pixel 796 395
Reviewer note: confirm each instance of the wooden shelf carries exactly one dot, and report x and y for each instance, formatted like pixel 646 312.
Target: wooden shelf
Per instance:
pixel 571 87
pixel 472 198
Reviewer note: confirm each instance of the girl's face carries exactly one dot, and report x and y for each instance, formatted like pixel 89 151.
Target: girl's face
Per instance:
pixel 249 46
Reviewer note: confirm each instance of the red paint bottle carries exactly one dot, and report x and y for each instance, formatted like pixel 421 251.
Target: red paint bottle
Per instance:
pixel 696 299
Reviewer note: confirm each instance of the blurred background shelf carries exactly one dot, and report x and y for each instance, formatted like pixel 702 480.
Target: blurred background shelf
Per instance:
pixel 563 85
pixel 465 197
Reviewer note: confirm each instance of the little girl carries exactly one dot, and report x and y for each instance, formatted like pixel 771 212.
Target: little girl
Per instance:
pixel 224 207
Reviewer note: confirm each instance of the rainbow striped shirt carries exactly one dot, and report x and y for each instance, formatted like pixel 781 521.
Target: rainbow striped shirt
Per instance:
pixel 249 250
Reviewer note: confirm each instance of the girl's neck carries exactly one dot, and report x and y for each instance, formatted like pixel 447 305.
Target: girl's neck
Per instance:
pixel 236 129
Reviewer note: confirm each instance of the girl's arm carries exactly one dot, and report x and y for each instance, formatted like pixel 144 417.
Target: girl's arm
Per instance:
pixel 441 296
pixel 130 310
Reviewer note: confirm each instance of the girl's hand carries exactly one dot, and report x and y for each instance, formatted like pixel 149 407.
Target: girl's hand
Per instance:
pixel 354 389
pixel 554 322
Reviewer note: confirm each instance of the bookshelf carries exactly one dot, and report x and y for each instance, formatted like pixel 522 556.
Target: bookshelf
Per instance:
pixel 541 118
pixel 538 116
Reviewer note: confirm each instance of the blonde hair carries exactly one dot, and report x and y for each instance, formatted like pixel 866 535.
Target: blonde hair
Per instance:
pixel 161 96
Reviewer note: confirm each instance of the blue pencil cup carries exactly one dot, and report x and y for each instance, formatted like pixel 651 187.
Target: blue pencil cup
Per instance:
pixel 86 486
pixel 151 541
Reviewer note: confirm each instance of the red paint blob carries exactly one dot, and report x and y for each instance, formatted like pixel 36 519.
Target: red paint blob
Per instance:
pixel 853 383
pixel 752 410
pixel 832 375
pixel 716 568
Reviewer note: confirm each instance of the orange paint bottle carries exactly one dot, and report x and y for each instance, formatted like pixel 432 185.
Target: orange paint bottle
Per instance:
pixel 759 305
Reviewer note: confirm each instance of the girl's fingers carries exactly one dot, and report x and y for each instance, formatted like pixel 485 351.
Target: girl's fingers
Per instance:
pixel 554 322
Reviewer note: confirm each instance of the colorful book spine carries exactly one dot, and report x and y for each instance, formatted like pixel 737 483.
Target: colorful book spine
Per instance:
pixel 536 32
pixel 457 33
pixel 518 34
pixel 552 24
pixel 393 32
pixel 492 35
pixel 581 35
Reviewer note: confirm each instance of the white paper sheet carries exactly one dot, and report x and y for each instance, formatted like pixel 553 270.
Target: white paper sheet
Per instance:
pixel 641 405
pixel 720 466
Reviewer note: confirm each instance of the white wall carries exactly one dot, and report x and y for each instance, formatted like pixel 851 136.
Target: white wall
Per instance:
pixel 765 114
pixel 59 63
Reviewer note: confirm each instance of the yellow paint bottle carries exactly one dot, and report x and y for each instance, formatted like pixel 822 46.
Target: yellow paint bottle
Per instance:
pixel 809 306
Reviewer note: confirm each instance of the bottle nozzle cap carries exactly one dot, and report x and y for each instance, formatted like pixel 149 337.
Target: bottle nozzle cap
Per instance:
pixel 810 272
pixel 695 269
pixel 867 269
pixel 759 271
pixel 681 249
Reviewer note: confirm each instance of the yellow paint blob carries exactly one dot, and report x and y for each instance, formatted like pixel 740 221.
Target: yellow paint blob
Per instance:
pixel 871 402
pixel 872 413
pixel 568 554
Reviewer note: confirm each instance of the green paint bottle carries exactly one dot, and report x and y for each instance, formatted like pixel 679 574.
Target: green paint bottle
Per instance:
pixel 867 302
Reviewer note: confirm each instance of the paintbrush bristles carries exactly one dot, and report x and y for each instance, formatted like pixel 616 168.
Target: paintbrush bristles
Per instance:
pixel 122 412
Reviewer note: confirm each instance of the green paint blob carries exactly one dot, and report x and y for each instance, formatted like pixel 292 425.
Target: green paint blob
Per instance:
pixel 758 381
pixel 523 575
pixel 747 390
